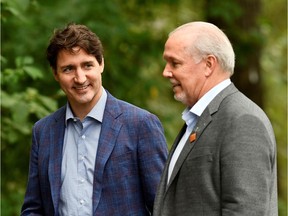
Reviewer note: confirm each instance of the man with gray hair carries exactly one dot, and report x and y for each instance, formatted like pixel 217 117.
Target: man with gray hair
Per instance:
pixel 223 161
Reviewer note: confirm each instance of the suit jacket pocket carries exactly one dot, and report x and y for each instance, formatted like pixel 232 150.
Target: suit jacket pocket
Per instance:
pixel 200 157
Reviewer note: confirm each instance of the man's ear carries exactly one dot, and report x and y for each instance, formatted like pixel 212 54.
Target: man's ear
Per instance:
pixel 102 65
pixel 55 74
pixel 211 62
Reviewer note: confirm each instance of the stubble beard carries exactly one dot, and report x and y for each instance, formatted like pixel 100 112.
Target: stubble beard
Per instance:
pixel 181 97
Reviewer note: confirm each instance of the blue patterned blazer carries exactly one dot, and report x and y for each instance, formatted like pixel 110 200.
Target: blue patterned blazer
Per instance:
pixel 131 155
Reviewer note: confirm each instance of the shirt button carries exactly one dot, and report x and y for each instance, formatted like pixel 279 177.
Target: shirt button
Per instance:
pixel 83 136
pixel 82 202
pixel 82 180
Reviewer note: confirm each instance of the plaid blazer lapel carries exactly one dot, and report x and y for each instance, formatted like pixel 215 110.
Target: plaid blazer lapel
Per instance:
pixel 56 144
pixel 109 132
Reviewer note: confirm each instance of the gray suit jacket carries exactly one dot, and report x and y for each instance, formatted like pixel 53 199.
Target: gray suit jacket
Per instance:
pixel 230 169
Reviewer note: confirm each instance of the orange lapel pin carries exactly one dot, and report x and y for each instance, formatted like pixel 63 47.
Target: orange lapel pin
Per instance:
pixel 192 137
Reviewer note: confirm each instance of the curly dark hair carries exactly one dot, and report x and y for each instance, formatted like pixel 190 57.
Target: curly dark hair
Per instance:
pixel 74 35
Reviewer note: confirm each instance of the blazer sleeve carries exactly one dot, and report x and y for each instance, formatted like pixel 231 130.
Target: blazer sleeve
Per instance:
pixel 152 155
pixel 32 201
pixel 248 168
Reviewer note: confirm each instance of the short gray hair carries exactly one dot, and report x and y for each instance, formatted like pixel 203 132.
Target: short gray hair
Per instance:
pixel 208 39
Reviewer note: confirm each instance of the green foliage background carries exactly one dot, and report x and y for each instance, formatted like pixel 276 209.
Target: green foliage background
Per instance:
pixel 133 33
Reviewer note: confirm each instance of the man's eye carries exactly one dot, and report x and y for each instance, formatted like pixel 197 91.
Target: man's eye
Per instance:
pixel 174 64
pixel 67 69
pixel 89 65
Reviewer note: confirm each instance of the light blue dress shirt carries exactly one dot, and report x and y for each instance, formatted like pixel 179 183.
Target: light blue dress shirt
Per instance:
pixel 79 155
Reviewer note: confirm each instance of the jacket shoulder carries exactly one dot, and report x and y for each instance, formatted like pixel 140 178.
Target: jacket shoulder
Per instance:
pixel 52 118
pixel 124 108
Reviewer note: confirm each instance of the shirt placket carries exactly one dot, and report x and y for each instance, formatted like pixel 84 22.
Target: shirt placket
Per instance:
pixel 81 167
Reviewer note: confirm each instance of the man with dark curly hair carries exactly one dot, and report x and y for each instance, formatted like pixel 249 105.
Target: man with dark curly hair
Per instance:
pixel 97 155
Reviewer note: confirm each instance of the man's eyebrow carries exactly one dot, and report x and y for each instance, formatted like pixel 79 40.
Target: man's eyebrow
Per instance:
pixel 87 62
pixel 169 58
pixel 67 66
pixel 72 65
pixel 166 56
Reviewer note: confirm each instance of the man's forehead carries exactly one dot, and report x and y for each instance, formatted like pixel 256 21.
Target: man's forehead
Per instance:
pixel 176 43
pixel 172 53
pixel 66 57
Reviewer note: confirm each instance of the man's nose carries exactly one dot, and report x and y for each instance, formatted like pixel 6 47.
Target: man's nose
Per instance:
pixel 80 76
pixel 167 73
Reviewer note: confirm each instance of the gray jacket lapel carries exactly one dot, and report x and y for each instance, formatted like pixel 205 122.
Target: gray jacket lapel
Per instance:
pixel 178 138
pixel 203 122
pixel 161 191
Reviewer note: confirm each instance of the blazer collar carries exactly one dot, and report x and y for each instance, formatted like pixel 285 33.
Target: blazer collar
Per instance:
pixel 56 138
pixel 110 129
pixel 200 126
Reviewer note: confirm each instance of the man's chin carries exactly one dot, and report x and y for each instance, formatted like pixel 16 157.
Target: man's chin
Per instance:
pixel 180 98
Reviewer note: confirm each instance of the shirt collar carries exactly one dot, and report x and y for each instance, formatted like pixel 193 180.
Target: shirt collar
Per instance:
pixel 97 111
pixel 204 101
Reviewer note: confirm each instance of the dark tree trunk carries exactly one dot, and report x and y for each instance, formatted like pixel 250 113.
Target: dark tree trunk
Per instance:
pixel 238 19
